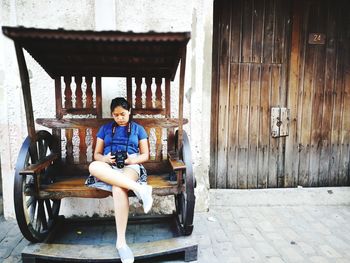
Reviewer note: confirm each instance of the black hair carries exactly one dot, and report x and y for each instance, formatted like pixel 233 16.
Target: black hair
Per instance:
pixel 120 101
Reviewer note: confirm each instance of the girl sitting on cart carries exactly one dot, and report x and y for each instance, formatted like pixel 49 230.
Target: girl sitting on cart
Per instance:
pixel 121 147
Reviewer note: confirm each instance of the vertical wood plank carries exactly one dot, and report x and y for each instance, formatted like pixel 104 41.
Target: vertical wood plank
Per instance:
pixel 268 31
pixel 279 30
pixel 236 26
pixel 138 93
pixel 68 93
pixel 82 146
pixel 247 31
pixel 233 124
pixel 78 92
pixel 242 157
pixel 93 138
pixel 58 97
pixel 257 34
pixel 99 97
pixel 253 126
pixel 291 152
pixel 170 131
pixel 217 5
pixel 89 92
pixel 149 100
pixel 158 144
pixel 224 67
pixel 264 129
pixel 69 146
pixel 129 91
pixel 275 83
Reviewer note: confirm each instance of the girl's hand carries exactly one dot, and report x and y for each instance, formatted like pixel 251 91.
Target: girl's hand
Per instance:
pixel 129 160
pixel 109 158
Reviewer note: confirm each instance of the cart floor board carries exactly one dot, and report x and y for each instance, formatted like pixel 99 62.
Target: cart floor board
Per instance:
pixel 93 240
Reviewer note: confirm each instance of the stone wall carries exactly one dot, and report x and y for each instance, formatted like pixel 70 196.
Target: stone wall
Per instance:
pixel 137 16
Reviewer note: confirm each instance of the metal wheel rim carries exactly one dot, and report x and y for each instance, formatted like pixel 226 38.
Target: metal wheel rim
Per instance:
pixel 184 202
pixel 35 217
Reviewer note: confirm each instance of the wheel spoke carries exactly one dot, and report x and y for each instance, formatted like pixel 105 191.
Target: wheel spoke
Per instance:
pixel 30 201
pixel 49 208
pixel 41 215
pixel 32 210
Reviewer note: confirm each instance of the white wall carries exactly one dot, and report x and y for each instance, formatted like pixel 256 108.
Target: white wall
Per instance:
pixel 137 16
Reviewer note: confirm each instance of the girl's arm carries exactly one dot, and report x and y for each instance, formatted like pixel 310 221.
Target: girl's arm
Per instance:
pixel 98 154
pixel 143 156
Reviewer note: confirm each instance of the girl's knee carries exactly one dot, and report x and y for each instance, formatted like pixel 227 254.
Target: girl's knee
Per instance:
pixel 94 167
pixel 118 190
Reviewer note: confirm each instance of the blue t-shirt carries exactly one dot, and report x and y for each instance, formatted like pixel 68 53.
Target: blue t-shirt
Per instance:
pixel 120 138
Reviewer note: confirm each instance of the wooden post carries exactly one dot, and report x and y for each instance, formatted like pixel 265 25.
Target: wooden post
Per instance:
pixel 23 71
pixel 181 98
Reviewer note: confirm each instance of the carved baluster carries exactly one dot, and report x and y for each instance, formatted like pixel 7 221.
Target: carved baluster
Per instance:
pixel 138 93
pixel 159 93
pixel 78 93
pixel 68 93
pixel 69 146
pixel 82 145
pixel 149 104
pixel 89 101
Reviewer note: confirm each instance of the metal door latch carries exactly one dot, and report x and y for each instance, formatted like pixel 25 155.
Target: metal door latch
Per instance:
pixel 279 122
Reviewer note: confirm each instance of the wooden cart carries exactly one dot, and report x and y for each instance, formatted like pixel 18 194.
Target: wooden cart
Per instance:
pixel 54 165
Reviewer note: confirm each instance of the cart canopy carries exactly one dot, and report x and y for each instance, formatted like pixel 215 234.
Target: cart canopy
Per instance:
pixel 104 53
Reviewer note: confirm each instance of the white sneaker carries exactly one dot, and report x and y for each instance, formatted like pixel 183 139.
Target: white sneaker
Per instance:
pixel 145 194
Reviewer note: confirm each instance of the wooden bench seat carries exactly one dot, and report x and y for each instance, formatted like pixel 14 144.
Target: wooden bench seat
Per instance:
pixel 74 187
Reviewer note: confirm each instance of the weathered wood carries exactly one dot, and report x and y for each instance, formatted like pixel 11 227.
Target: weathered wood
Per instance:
pixel 74 187
pixel 42 252
pixel 27 98
pixel 158 102
pixel 82 145
pixel 223 96
pixel 138 93
pixel 149 101
pixel 158 144
pixel 68 93
pixel 181 96
pixel 69 146
pixel 78 92
pixel 145 111
pixel 89 92
pixel 40 165
pixel 291 151
pixel 233 125
pixel 82 111
pixel 129 90
pixel 96 123
pixel 243 131
pixel 98 97
pixel 58 97
pixel 175 163
pixel 253 126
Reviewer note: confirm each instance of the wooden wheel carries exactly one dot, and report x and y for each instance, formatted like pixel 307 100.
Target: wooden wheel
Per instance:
pixel 185 201
pixel 35 217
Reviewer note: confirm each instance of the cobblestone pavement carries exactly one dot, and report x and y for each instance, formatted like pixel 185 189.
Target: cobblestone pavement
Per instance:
pixel 248 234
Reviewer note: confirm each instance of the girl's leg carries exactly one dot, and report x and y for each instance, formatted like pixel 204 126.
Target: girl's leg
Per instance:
pixel 121 207
pixel 104 172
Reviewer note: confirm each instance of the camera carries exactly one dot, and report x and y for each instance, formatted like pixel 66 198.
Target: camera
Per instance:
pixel 120 157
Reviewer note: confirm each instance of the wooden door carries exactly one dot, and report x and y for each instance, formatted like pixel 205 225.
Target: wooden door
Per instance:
pixel 264 57
pixel 317 148
pixel 250 65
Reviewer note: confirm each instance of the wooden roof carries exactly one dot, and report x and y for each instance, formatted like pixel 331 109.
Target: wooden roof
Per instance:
pixel 104 53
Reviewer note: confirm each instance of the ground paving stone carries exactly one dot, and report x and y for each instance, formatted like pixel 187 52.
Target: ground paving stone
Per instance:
pixel 243 234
